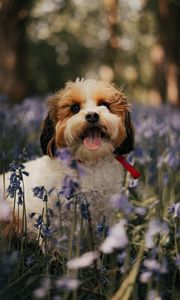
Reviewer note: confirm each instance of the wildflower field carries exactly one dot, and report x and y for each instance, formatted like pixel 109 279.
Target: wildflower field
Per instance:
pixel 137 258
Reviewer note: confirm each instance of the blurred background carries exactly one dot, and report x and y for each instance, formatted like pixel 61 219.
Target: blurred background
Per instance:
pixel 134 43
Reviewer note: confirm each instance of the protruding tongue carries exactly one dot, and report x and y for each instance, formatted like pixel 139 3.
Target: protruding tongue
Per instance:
pixel 92 143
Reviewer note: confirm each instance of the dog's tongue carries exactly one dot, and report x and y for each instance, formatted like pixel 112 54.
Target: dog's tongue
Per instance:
pixel 92 143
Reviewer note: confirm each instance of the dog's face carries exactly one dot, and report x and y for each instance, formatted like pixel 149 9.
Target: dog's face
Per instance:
pixel 89 117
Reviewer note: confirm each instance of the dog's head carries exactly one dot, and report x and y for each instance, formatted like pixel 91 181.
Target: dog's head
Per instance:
pixel 89 117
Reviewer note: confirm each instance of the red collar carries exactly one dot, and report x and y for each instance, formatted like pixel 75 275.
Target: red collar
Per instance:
pixel 134 173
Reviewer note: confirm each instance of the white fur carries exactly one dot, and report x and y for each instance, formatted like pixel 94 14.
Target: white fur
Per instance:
pixel 99 182
pixel 103 174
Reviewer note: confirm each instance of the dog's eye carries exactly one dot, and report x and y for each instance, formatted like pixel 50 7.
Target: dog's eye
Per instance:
pixel 75 108
pixel 103 103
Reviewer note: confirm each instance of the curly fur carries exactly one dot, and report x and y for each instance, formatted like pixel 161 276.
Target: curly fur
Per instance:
pixel 62 128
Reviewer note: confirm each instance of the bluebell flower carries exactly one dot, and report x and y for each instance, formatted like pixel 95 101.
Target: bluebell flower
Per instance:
pixel 23 156
pixel 65 156
pixel 141 211
pixel 151 264
pixel 46 231
pixel 102 229
pixel 39 221
pixel 121 257
pixel 153 295
pixel 13 166
pixel 165 178
pixel 145 276
pixel 163 266
pixel 31 215
pixel 174 210
pixel 67 283
pixel 69 187
pixel 121 202
pixel 84 207
pixel 30 260
pixel 14 185
pixel 25 173
pixel 39 192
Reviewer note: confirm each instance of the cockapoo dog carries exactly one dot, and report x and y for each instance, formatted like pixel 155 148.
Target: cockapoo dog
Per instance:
pixel 92 119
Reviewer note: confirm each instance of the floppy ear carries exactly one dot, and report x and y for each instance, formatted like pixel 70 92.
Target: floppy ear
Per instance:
pixel 128 144
pixel 47 137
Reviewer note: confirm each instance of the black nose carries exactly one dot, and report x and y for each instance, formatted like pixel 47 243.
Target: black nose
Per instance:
pixel 92 117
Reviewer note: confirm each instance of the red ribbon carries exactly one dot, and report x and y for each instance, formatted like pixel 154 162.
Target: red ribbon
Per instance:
pixel 128 166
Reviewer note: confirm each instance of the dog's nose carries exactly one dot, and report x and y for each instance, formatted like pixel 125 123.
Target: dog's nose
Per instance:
pixel 92 117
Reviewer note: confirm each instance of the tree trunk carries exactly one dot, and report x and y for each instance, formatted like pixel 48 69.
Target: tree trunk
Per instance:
pixel 167 52
pixel 13 18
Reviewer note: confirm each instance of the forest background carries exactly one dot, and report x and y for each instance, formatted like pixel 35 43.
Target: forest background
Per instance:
pixel 135 44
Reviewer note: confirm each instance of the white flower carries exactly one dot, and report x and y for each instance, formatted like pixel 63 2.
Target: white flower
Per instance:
pixel 83 261
pixel 116 239
pixel 40 293
pixel 67 283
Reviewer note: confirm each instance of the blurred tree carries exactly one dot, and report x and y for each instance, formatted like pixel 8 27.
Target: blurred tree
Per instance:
pixel 13 20
pixel 166 52
pixel 46 44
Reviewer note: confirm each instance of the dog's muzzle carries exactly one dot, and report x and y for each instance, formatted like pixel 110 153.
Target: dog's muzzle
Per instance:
pixel 93 137
pixel 92 117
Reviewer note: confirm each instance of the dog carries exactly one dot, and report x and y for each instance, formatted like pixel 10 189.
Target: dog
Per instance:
pixel 92 120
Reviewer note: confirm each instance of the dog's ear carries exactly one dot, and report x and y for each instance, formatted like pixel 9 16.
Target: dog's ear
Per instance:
pixel 128 144
pixel 47 138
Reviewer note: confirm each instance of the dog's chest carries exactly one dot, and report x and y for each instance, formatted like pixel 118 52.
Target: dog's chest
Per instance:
pixel 106 175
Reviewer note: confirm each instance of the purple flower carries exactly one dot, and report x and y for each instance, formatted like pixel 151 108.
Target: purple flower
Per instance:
pixel 166 178
pixel 141 211
pixel 46 231
pixel 69 187
pixel 145 276
pixel 102 228
pixel 65 156
pixel 66 283
pixel 30 261
pixel 31 215
pixel 153 295
pixel 43 289
pixel 164 266
pixel 122 203
pixel 121 257
pixel 152 264
pixel 39 221
pixel 174 209
pixel 84 207
pixel 14 185
pixel 40 192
